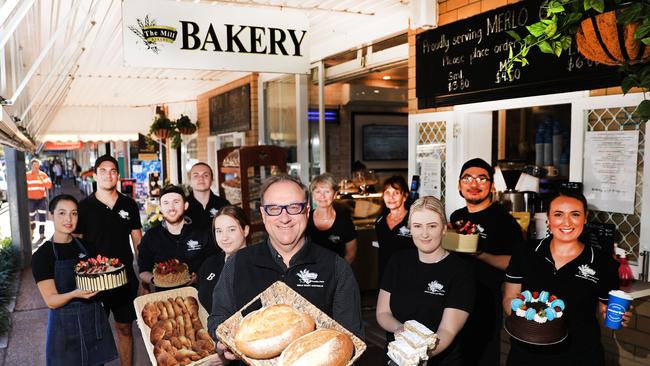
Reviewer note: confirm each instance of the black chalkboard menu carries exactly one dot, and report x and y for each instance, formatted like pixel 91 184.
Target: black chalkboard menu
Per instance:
pixel 601 236
pixel 463 62
pixel 231 111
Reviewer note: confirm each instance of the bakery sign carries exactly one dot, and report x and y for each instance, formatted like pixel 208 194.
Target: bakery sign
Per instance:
pixel 184 35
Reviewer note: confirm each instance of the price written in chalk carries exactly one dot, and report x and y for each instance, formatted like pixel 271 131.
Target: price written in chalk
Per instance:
pixel 502 76
pixel 456 81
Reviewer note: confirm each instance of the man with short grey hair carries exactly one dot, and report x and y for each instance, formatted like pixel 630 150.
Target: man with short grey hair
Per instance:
pixel 283 257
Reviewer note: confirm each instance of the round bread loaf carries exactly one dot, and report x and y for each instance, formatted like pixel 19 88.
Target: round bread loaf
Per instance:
pixel 266 332
pixel 324 347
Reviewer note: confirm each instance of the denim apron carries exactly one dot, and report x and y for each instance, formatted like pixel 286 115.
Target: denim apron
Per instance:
pixel 78 333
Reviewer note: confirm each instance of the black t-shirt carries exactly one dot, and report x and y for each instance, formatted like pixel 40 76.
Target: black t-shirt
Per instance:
pixel 334 238
pixel 422 291
pixel 499 233
pixel 43 259
pixel 580 283
pixel 192 246
pixel 391 240
pixel 203 216
pixel 109 229
pixel 208 276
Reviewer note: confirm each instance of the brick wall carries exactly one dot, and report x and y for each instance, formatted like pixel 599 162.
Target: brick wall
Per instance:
pixel 202 107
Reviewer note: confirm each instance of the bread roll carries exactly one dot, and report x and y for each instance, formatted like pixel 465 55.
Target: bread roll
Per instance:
pixel 266 332
pixel 324 347
pixel 150 314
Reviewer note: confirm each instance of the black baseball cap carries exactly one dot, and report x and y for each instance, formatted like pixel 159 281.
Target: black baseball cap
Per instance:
pixel 173 189
pixel 104 158
pixel 478 163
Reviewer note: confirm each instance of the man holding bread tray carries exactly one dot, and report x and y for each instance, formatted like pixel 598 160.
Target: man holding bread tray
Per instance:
pixel 319 275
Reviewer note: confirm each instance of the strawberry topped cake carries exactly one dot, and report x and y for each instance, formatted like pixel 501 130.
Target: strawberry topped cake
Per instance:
pixel 537 318
pixel 100 274
pixel 171 273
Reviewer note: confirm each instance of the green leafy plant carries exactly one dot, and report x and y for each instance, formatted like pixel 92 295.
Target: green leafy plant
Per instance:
pixel 8 270
pixel 161 122
pixel 554 34
pixel 185 125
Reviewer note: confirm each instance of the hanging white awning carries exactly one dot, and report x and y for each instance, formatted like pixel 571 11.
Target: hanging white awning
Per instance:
pixel 85 124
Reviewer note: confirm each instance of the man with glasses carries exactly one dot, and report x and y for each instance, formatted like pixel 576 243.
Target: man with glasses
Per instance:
pixel 498 233
pixel 318 274
pixel 108 219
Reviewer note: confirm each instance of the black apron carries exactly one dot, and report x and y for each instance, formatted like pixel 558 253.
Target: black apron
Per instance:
pixel 78 333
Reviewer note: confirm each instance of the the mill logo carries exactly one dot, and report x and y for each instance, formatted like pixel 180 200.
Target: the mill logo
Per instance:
pixel 151 34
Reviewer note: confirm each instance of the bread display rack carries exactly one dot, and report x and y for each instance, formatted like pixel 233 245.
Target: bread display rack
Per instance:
pixel 246 167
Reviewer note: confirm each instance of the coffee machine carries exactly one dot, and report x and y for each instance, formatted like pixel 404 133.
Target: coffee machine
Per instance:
pixel 512 199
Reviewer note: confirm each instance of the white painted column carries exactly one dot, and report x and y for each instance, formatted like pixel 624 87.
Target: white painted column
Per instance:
pixel 322 138
pixel 302 126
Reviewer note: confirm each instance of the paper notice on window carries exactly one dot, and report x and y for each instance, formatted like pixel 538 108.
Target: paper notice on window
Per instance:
pixel 430 171
pixel 610 170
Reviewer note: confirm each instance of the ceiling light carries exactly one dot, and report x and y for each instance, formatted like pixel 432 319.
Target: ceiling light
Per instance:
pixel 376 91
pixel 386 77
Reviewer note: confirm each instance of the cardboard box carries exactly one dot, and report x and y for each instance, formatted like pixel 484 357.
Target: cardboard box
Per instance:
pixel 459 242
pixel 141 301
pixel 280 293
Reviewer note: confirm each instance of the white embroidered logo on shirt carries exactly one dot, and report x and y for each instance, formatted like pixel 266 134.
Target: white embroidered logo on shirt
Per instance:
pixel 334 238
pixel 123 214
pixel 308 279
pixel 193 245
pixel 588 273
pixel 435 288
pixel 404 231
pixel 82 255
pixel 210 276
pixel 213 212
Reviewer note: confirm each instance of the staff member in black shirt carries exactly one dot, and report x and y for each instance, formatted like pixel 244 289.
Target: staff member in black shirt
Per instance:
pixel 498 234
pixel 203 204
pixel 288 256
pixel 230 228
pixel 328 226
pixel 109 219
pixel 392 229
pixel 429 284
pixel 175 238
pixel 77 327
pixel 580 275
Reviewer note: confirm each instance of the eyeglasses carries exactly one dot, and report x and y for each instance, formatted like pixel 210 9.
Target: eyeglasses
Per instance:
pixel 292 209
pixel 468 179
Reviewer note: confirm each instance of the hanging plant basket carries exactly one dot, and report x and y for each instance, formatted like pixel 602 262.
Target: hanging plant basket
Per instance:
pixel 163 133
pixel 187 130
pixel 600 38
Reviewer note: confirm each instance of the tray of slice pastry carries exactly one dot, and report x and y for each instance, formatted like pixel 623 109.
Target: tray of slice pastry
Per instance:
pixel 173 326
pixel 288 330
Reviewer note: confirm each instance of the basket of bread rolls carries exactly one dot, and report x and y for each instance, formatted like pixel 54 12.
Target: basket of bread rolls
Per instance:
pixel 288 330
pixel 173 325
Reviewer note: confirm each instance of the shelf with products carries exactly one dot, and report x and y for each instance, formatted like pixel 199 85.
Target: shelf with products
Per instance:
pixel 241 171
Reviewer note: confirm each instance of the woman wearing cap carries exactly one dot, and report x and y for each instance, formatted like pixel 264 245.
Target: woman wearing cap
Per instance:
pixel 328 226
pixel 429 285
pixel 580 275
pixel 392 229
pixel 77 328
pixel 230 227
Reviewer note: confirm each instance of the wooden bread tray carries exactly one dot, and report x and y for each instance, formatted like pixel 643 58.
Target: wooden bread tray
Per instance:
pixel 280 293
pixel 141 301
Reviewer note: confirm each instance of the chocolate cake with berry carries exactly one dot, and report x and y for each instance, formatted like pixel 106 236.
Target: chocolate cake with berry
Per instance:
pixel 537 318
pixel 171 273
pixel 100 274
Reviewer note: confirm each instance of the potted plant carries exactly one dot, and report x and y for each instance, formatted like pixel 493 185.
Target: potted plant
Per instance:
pixel 162 127
pixel 618 34
pixel 185 125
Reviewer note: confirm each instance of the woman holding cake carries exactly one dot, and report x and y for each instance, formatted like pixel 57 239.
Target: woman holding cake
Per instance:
pixel 328 226
pixel 430 285
pixel 580 275
pixel 230 228
pixel 86 338
pixel 392 229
